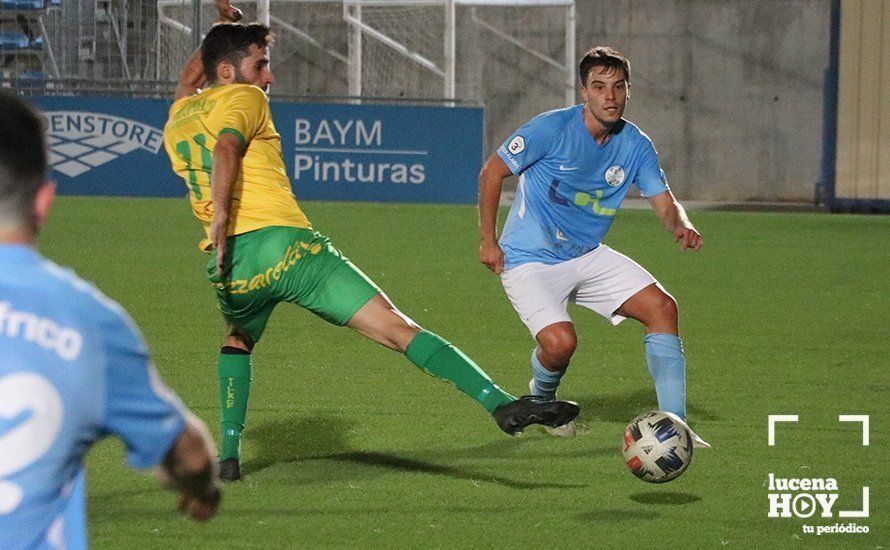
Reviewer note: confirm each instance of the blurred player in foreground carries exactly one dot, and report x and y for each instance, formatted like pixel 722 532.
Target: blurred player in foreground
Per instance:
pixel 222 142
pixel 73 369
pixel 575 167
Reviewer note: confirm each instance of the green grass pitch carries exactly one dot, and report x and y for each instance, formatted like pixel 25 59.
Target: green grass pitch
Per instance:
pixel 348 445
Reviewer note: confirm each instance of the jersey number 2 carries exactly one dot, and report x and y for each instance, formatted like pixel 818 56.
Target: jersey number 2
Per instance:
pixel 26 442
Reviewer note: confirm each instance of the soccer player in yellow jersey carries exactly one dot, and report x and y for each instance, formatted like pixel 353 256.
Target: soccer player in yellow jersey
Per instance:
pixel 222 141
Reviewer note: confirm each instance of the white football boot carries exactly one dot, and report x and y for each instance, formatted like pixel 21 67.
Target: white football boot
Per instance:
pixel 567 429
pixel 697 441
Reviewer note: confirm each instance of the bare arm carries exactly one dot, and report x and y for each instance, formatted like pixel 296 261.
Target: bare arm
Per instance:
pixel 226 166
pixel 190 469
pixel 675 220
pixel 192 77
pixel 491 179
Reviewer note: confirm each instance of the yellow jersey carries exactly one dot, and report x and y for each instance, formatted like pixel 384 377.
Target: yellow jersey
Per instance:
pixel 262 194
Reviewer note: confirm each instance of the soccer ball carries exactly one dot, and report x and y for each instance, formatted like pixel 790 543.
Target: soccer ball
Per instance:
pixel 657 446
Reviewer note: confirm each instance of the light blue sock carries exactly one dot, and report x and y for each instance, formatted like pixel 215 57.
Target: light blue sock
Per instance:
pixel 546 381
pixel 664 356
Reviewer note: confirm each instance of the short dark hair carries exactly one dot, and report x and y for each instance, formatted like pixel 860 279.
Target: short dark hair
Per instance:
pixel 22 159
pixel 231 42
pixel 603 56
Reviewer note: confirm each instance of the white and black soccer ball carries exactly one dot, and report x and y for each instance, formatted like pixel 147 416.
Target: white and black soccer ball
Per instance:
pixel 657 446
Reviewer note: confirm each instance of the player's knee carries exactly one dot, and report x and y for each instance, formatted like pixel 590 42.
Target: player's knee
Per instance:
pixel 558 344
pixel 666 309
pixel 233 350
pixel 237 343
pixel 395 336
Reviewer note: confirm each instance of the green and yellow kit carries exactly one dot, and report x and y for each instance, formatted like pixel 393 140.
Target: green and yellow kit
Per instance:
pixel 273 255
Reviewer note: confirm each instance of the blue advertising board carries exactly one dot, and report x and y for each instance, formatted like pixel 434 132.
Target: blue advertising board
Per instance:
pixel 392 153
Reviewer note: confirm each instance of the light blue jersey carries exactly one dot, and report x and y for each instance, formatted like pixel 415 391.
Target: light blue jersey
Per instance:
pixel 73 369
pixel 570 188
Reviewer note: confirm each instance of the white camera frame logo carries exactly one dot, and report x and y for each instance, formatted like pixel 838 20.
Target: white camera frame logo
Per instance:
pixel 799 497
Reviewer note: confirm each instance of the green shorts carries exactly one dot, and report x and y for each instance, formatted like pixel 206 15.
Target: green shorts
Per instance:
pixel 286 264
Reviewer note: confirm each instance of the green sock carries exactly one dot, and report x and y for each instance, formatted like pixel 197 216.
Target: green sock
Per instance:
pixel 436 356
pixel 234 373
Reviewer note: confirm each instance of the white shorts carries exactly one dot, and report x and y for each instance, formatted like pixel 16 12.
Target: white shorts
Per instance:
pixel 601 280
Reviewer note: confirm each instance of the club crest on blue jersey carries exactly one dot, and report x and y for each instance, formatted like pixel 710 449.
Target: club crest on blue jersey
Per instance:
pixel 615 176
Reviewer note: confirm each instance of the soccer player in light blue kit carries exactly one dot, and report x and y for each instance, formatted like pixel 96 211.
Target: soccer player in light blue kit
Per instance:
pixel 575 167
pixel 73 369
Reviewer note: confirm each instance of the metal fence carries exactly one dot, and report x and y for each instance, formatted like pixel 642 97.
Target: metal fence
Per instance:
pixel 732 92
